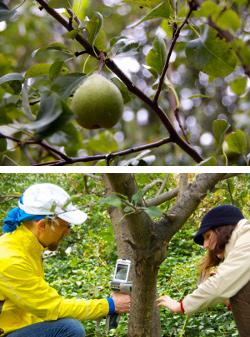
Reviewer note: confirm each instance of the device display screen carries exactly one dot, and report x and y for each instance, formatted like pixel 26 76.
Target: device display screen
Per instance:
pixel 121 272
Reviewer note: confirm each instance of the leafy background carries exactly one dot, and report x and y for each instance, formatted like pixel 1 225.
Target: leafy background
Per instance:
pixel 84 262
pixel 208 78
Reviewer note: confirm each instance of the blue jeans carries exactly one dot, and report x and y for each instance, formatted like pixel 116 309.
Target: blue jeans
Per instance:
pixel 65 327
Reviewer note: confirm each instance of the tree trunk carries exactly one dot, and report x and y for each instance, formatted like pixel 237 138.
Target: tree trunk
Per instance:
pixel 143 316
pixel 136 241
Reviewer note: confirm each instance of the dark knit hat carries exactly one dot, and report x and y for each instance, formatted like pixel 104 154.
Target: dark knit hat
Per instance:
pixel 216 217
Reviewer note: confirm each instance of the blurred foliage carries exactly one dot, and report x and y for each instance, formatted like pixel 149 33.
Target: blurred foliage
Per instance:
pixel 84 262
pixel 207 78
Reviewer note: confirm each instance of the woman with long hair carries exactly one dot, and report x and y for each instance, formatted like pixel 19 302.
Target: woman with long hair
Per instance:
pixel 225 270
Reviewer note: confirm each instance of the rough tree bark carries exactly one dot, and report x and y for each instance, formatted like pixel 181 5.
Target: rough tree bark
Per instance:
pixel 145 243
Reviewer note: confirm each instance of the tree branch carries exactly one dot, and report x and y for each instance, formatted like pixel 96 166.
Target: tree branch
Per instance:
pixel 108 157
pixel 161 198
pixel 183 184
pixel 56 153
pixel 113 67
pixel 149 186
pixel 186 205
pixel 164 182
pixel 174 40
pixel 65 160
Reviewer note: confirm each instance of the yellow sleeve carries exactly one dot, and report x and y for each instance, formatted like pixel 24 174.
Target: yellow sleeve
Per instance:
pixel 33 294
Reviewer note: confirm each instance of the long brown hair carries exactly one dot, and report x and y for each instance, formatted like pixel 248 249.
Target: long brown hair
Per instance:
pixel 222 235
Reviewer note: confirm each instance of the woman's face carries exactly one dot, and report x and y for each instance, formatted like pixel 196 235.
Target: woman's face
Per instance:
pixel 209 239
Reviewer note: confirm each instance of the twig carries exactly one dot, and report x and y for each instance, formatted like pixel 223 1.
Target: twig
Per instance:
pixel 78 53
pixel 113 67
pixel 42 143
pixel 71 18
pixel 164 182
pixel 177 116
pixel 107 157
pixel 174 40
pixel 65 160
pixel 137 149
pixel 160 199
pixel 152 184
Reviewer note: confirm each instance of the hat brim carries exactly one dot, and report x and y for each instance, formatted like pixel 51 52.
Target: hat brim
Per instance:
pixel 75 217
pixel 198 238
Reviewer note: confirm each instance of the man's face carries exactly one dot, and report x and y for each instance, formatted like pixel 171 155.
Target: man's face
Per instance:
pixel 54 230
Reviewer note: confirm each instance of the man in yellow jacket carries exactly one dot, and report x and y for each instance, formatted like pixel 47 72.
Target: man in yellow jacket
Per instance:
pixel 29 307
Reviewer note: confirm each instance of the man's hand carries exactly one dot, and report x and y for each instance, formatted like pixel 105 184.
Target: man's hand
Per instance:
pixel 122 302
pixel 170 303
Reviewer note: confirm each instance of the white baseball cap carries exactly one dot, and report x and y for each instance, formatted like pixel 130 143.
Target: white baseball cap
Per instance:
pixel 50 199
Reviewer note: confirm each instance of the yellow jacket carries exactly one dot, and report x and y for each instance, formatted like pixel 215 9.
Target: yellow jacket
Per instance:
pixel 26 297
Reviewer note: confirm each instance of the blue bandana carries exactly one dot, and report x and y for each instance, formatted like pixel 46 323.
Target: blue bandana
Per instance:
pixel 16 216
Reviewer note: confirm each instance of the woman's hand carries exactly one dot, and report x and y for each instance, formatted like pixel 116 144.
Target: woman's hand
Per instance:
pixel 170 303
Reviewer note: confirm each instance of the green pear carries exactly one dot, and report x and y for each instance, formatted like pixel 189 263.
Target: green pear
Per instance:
pixel 97 103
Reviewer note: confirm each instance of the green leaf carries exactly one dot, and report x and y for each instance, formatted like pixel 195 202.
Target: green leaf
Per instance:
pixel 69 137
pixel 102 142
pixel 50 110
pixel 67 84
pixel 145 3
pixel 153 211
pixel 220 127
pixel 56 68
pixel 241 2
pixel 210 161
pixel 11 77
pixel 59 3
pixel 52 116
pixel 12 82
pixel 239 85
pixel 55 50
pixel 211 55
pixel 208 8
pixel 25 101
pixel 56 46
pixel 96 34
pixel 163 10
pixel 137 197
pixel 123 45
pixel 112 200
pixel 123 89
pixel 229 20
pixel 72 34
pixel 237 142
pixel 60 123
pixel 6 13
pixel 156 57
pixel 128 210
pixel 37 70
pixel 3 145
pixel 243 49
pixel 79 8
